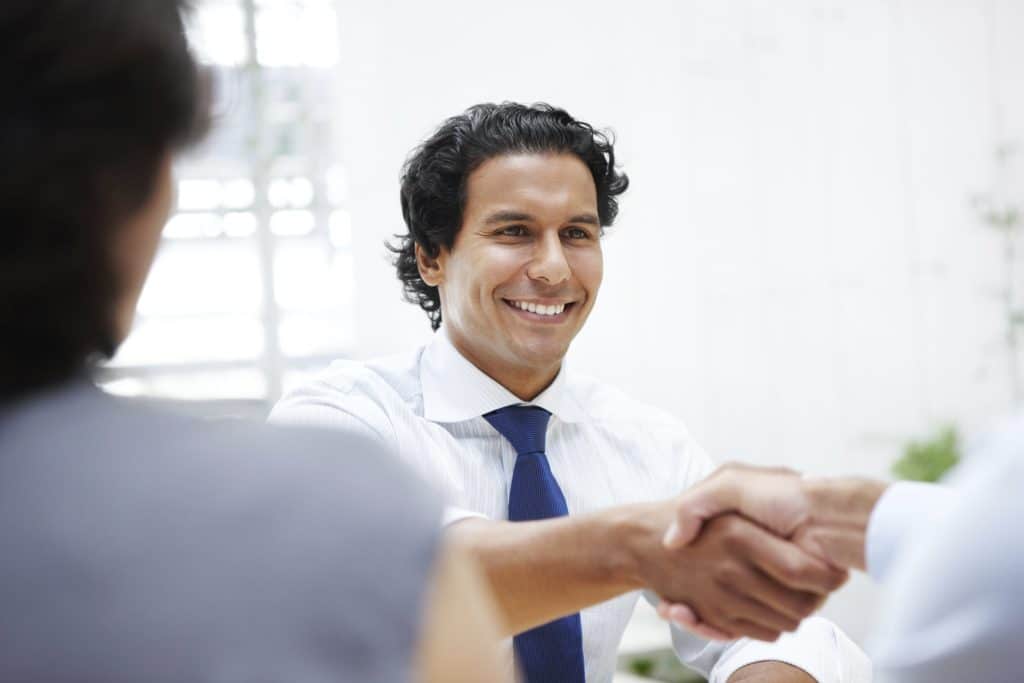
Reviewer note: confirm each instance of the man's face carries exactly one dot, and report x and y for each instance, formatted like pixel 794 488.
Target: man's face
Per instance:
pixel 523 273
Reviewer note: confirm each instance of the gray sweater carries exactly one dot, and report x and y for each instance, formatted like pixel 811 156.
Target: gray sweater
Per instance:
pixel 139 546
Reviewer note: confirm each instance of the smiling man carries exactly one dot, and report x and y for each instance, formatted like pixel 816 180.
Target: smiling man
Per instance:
pixel 559 484
pixel 518 293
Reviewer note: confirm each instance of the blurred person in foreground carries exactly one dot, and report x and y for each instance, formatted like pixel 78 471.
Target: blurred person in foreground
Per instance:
pixel 561 485
pixel 951 557
pixel 141 546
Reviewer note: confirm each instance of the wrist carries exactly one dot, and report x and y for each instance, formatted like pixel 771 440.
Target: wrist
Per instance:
pixel 633 532
pixel 842 500
pixel 840 509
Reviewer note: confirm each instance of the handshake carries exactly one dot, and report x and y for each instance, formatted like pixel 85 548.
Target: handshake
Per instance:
pixel 753 551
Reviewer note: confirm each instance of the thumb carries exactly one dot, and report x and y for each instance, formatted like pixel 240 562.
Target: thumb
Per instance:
pixel 694 508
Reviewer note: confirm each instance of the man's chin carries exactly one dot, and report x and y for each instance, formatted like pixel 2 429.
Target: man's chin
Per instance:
pixel 542 354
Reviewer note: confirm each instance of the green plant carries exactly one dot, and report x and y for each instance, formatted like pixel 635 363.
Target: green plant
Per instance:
pixel 929 460
pixel 642 666
pixel 658 665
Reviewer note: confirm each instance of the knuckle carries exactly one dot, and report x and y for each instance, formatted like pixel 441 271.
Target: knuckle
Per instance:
pixel 731 527
pixel 735 542
pixel 730 576
pixel 786 572
pixel 794 570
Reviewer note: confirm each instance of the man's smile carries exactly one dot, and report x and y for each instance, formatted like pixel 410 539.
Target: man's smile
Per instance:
pixel 541 310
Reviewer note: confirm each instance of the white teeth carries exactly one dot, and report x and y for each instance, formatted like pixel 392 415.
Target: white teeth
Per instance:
pixel 538 309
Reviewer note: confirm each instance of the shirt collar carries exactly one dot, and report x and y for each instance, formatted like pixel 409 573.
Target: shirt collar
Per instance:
pixel 455 390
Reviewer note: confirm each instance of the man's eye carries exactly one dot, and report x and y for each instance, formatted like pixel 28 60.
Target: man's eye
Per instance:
pixel 513 231
pixel 577 233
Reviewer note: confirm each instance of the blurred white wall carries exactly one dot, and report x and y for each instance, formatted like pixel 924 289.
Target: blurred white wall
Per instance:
pixel 797 271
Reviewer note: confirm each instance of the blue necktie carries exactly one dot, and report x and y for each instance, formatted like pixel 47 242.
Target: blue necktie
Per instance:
pixel 553 652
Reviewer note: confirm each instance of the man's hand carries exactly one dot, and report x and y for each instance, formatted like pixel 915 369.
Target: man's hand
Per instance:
pixel 827 518
pixel 738 578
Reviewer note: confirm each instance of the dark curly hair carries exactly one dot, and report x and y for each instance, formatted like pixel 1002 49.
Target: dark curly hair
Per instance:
pixel 434 177
pixel 96 93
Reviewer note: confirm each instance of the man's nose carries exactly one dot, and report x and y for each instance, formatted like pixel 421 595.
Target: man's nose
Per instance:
pixel 549 263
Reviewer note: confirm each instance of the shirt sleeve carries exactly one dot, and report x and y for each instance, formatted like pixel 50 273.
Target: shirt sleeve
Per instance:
pixel 905 511
pixel 953 609
pixel 818 647
pixel 321 405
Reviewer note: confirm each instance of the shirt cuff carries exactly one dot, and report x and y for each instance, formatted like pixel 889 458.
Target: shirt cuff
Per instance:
pixel 820 649
pixel 903 510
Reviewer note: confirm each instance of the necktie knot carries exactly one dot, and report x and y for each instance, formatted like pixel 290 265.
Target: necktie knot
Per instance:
pixel 524 426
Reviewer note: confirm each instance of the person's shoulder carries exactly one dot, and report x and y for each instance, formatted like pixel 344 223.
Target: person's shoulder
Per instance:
pixel 355 395
pixel 390 378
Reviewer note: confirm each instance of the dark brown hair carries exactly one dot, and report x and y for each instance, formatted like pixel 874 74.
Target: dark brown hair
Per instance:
pixel 434 177
pixel 95 94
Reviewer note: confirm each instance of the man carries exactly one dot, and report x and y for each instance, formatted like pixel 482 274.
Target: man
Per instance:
pixel 140 546
pixel 555 481
pixel 952 558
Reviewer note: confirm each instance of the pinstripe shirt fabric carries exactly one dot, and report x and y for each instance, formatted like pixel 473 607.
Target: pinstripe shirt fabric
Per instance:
pixel 605 449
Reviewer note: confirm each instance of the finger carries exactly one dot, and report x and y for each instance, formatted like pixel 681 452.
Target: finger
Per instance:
pixel 677 612
pixel 842 547
pixel 684 617
pixel 730 602
pixel 662 609
pixel 745 609
pixel 795 604
pixel 755 631
pixel 706 632
pixel 789 565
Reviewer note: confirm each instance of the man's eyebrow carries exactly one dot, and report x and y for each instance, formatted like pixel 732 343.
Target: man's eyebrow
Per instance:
pixel 585 218
pixel 510 216
pixel 507 217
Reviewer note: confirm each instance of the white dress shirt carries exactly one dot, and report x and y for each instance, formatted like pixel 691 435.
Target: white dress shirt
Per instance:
pixel 604 448
pixel 953 563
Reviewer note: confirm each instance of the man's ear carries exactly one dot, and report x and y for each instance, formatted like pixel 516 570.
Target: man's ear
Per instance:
pixel 431 268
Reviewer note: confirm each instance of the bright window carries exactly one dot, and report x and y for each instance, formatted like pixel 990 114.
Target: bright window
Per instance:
pixel 253 285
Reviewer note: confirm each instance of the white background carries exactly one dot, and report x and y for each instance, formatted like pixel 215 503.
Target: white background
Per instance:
pixel 797 271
